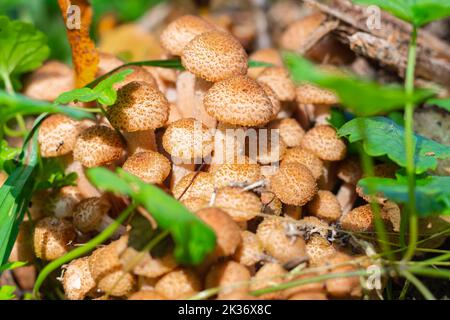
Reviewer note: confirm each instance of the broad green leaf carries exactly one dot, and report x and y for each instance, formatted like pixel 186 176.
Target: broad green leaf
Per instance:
pixel 416 12
pixel 11 105
pixel 12 265
pixel 7 292
pixel 363 97
pixel 7 153
pixel 193 238
pixel 103 92
pixel 337 118
pixel 432 192
pixel 52 175
pixel 22 48
pixel 382 136
pixel 441 103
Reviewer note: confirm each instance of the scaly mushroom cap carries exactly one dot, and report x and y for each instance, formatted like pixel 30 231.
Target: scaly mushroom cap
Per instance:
pixel 381 170
pixel 323 141
pixel 146 295
pixel 359 219
pixel 239 204
pixel 227 231
pixel 349 170
pixel 271 204
pixel 89 213
pixel 297 33
pixel 179 284
pixel 188 139
pixel 293 184
pixel 214 56
pixel 57 135
pixel 346 286
pixel 306 158
pixel 290 131
pixel 77 279
pixel 117 283
pixel 314 225
pixel 276 104
pixel 139 107
pixel 64 203
pixel 98 145
pixel 250 251
pixel 310 94
pixel 201 185
pixel 272 234
pixel 318 249
pixel 150 166
pixel 325 206
pixel 52 238
pixel 270 274
pixel 225 275
pixel 308 288
pixel 271 147
pixel 195 204
pixel 268 55
pixel 138 74
pixel 279 80
pixel 181 31
pixel 148 266
pixel 49 81
pixel 229 174
pixel 239 100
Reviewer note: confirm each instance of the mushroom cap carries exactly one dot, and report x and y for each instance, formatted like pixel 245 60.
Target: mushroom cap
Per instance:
pixel 308 288
pixel 268 55
pixel 271 204
pixel 314 225
pixel 297 33
pixel 318 248
pixel 239 204
pixel 239 100
pixel 138 74
pixel 77 279
pixel 342 287
pixel 57 135
pixel 201 185
pixel 188 139
pixel 150 166
pixel 139 107
pixel 89 213
pixel 306 158
pixel 52 238
pixel 146 295
pixel 227 275
pixel 349 170
pixel 98 145
pixel 234 173
pixel 290 131
pixel 311 94
pixel 179 284
pixel 227 231
pixel 148 266
pixel 106 260
pixel 293 184
pixel 195 204
pixel 270 274
pixel 381 170
pixel 272 232
pixel 215 56
pixel 181 31
pixel 310 296
pixel 64 203
pixel 325 205
pixel 117 283
pixel 276 104
pixel 279 80
pixel 271 146
pixel 323 141
pixel 49 81
pixel 359 219
pixel 250 251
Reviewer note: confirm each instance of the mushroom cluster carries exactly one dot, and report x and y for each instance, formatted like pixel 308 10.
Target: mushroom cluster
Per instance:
pixel 275 209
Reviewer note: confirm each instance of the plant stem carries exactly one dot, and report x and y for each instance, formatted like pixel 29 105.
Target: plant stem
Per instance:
pixel 84 249
pixel 20 121
pixel 410 146
pixel 418 284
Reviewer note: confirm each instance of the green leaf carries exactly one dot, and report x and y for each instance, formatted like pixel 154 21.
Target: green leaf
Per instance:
pixel 363 97
pixel 7 292
pixel 432 192
pixel 12 265
pixel 52 175
pixel 337 118
pixel 7 153
pixel 22 48
pixel 441 103
pixel 103 92
pixel 193 238
pixel 382 136
pixel 416 12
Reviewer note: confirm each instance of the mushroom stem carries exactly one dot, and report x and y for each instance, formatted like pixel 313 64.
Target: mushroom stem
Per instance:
pixel 139 141
pixel 106 221
pixel 346 197
pixel 179 171
pixel 328 179
pixel 322 113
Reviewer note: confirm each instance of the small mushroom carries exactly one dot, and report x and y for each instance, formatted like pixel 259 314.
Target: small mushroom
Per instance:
pixel 306 158
pixel 241 205
pixel 150 166
pixel 52 238
pixel 179 284
pixel 323 141
pixel 270 274
pixel 359 219
pixel 77 279
pixel 195 185
pixel 290 131
pixel 146 295
pixel 267 55
pixel 278 79
pixel 250 251
pixel 349 171
pixel 139 74
pixel 230 276
pixel 232 174
pixel 65 201
pixel 318 249
pixel 325 206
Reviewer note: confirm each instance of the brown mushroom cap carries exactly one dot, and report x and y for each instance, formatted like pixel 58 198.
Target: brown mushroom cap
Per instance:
pixel 188 139
pixel 234 173
pixel 293 184
pixel 201 185
pixel 66 199
pixel 306 158
pixel 308 288
pixel 105 260
pixel 323 141
pixel 349 170
pixel 297 33
pixel 311 94
pixel 77 279
pixel 227 231
pixel 57 135
pixel 268 55
pixel 239 204
pixel 146 295
pixel 342 287
pixel 279 80
pixel 318 248
pixel 98 145
pixel 314 225
pixel 325 206
pixel 195 204
pixel 139 107
pixel 148 266
pixel 359 219
pixel 270 274
pixel 52 238
pixel 276 104
pixel 89 213
pixel 214 56
pixel 239 100
pixel 117 283
pixel 271 204
pixel 138 74
pixel 290 131
pixel 250 251
pixel 181 31
pixel 230 276
pixel 150 166
pixel 179 284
